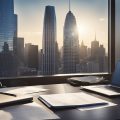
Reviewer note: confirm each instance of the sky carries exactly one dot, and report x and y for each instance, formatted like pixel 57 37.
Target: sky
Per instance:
pixel 91 17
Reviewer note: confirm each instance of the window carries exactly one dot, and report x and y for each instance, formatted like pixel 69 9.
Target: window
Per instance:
pixel 48 37
pixel 117 40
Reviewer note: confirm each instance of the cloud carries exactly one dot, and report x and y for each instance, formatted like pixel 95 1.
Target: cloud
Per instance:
pixel 102 19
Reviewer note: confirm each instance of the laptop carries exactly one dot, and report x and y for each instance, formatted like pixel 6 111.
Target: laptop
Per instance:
pixel 112 89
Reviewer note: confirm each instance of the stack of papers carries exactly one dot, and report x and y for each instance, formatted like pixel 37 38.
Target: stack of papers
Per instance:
pixel 66 100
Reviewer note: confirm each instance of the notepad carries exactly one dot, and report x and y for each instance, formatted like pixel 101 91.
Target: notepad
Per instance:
pixel 67 100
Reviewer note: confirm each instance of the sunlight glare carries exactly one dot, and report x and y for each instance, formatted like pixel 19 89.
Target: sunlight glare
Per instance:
pixel 83 29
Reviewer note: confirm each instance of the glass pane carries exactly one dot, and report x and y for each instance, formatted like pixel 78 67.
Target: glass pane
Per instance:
pixel 117 40
pixel 47 37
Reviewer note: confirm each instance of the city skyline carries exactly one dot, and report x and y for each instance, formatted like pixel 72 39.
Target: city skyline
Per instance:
pixel 19 58
pixel 32 29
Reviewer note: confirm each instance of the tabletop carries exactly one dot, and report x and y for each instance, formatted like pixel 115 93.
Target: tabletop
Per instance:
pixel 108 113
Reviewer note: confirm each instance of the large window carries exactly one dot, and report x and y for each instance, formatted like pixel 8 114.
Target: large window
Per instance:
pixel 117 40
pixel 48 37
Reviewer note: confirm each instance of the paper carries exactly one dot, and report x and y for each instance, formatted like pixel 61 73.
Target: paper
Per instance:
pixel 97 107
pixel 101 89
pixel 31 111
pixel 23 90
pixel 71 99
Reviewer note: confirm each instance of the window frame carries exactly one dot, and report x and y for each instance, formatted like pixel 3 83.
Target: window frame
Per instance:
pixel 62 78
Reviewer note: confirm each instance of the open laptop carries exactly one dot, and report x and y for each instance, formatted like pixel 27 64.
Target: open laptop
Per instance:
pixel 112 89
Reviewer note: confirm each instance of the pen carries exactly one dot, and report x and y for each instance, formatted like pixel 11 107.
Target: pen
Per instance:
pixel 9 94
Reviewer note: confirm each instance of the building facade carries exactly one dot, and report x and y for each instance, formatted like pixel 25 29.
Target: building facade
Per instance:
pixel 8 23
pixel 8 31
pixel 49 42
pixel 70 44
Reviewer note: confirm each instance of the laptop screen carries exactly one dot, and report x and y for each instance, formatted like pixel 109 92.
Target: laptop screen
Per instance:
pixel 116 75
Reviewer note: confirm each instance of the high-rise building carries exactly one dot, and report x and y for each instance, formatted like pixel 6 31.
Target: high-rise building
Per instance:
pixel 101 58
pixel 94 49
pixel 57 58
pixel 31 53
pixel 92 67
pixel 70 44
pixel 98 54
pixel 8 31
pixel 8 63
pixel 49 42
pixel 20 50
pixel 83 51
pixel 88 52
pixel 8 23
pixel 40 61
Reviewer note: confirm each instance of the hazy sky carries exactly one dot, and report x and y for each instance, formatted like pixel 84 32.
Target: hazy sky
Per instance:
pixel 91 17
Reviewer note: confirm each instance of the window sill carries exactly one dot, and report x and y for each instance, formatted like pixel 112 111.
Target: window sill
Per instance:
pixel 44 80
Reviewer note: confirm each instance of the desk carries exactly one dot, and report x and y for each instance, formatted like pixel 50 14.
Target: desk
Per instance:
pixel 110 113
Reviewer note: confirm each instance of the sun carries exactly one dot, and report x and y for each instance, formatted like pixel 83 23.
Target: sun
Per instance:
pixel 82 29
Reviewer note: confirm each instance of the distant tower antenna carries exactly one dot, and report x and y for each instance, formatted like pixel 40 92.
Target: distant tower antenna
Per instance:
pixel 95 36
pixel 69 5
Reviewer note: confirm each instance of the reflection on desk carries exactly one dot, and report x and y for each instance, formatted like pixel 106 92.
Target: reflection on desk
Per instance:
pixel 21 112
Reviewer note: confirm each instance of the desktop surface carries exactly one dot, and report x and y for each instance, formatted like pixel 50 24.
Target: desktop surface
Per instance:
pixel 109 113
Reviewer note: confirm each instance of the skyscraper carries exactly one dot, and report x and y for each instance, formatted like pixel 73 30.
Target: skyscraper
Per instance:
pixel 101 58
pixel 95 49
pixel 31 56
pixel 8 31
pixel 49 42
pixel 20 50
pixel 83 51
pixel 70 44
pixel 8 23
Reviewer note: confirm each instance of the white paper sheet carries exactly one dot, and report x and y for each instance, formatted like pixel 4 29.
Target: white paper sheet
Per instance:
pixel 23 90
pixel 101 89
pixel 31 111
pixel 71 99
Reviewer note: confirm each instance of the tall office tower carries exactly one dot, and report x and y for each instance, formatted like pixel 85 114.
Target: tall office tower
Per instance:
pixel 31 53
pixel 92 67
pixel 89 52
pixel 49 42
pixel 20 50
pixel 8 31
pixel 8 23
pixel 94 49
pixel 83 51
pixel 40 61
pixel 8 63
pixel 101 58
pixel 57 58
pixel 70 44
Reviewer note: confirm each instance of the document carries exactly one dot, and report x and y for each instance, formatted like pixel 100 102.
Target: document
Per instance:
pixel 31 111
pixel 80 99
pixel 23 90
